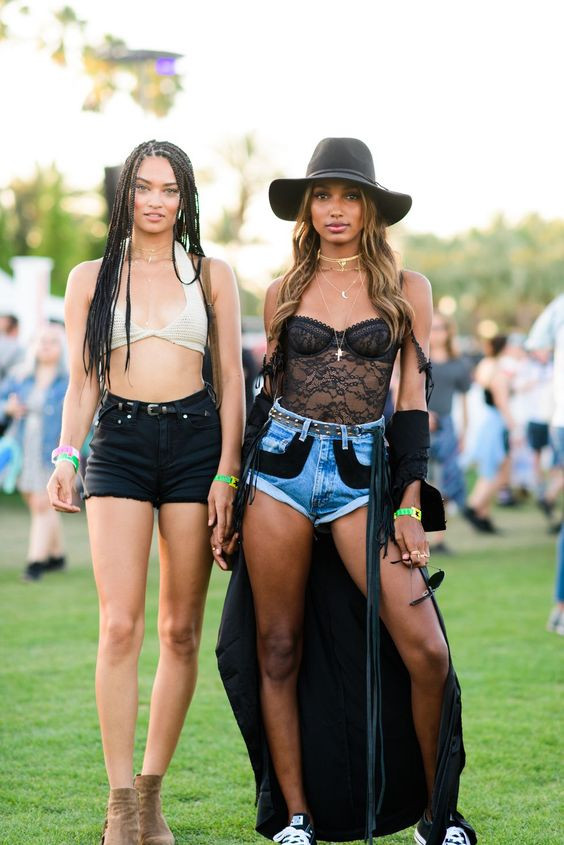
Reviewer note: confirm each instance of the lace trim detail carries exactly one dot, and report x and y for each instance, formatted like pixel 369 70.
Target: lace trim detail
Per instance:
pixel 331 329
pixel 424 365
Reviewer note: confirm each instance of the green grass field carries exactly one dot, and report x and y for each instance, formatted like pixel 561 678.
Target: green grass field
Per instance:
pixel 53 791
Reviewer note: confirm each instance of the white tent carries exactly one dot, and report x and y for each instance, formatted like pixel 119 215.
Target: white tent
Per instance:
pixel 26 294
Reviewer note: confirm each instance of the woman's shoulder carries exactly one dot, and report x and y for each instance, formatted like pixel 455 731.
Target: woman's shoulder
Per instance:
pixel 272 290
pixel 414 283
pixel 221 272
pixel 83 277
pixel 486 369
pixel 19 377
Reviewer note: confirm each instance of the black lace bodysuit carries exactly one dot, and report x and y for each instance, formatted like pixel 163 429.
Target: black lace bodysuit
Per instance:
pixel 319 385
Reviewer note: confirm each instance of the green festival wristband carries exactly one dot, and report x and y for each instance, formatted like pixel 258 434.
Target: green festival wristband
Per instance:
pixel 414 512
pixel 71 458
pixel 232 480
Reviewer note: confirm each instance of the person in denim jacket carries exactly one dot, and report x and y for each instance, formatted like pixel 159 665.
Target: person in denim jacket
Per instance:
pixel 31 402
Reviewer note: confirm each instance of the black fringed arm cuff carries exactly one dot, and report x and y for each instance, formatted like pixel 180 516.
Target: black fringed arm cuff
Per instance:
pixel 408 439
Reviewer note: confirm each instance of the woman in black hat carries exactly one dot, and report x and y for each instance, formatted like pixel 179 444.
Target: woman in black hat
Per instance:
pixel 318 469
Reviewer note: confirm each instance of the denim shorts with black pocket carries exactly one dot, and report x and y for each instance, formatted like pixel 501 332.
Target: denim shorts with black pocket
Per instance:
pixel 323 476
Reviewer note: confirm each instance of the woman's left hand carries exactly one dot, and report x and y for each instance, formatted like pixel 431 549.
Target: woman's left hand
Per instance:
pixel 411 541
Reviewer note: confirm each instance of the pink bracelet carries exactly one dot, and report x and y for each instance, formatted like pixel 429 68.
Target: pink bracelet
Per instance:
pixel 64 450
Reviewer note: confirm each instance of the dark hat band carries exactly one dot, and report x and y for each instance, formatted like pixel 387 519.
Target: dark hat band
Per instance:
pixel 361 176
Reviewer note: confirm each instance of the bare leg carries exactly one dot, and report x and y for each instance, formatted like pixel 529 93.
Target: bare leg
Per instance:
pixel 485 489
pixel 45 533
pixel 56 544
pixel 120 539
pixel 415 630
pixel 538 473
pixel 555 485
pixel 277 542
pixel 185 561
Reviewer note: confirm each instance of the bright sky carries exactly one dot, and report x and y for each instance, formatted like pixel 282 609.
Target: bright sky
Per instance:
pixel 459 100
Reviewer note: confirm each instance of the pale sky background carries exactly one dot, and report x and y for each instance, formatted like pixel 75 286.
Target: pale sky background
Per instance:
pixel 459 100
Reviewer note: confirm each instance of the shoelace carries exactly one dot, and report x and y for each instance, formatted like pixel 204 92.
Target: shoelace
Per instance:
pixel 291 836
pixel 456 836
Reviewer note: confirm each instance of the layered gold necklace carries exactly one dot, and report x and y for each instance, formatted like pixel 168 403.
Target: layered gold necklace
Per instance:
pixel 339 341
pixel 341 263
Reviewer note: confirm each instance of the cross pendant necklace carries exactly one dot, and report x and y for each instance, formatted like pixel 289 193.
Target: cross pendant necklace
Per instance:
pixel 339 353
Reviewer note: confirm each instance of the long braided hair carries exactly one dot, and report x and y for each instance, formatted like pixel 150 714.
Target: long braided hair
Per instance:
pixel 97 340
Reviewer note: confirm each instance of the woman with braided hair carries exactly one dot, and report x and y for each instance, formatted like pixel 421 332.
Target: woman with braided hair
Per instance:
pixel 137 324
pixel 344 691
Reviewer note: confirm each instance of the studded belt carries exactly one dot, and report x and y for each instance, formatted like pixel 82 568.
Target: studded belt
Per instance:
pixel 318 426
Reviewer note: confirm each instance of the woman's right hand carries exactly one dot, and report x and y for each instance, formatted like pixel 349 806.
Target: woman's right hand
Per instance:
pixel 222 552
pixel 14 408
pixel 60 487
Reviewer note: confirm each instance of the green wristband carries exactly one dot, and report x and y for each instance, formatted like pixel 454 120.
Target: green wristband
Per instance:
pixel 64 457
pixel 414 512
pixel 232 480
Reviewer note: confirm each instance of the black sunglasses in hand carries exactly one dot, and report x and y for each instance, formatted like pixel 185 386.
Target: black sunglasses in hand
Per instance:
pixel 432 582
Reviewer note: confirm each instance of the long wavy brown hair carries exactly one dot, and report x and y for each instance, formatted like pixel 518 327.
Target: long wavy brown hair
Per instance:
pixel 377 259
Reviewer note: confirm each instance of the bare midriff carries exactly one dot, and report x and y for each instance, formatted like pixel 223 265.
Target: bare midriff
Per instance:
pixel 159 371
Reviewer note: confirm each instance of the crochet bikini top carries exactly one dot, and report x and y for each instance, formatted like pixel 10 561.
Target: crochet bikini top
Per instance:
pixel 188 329
pixel 350 387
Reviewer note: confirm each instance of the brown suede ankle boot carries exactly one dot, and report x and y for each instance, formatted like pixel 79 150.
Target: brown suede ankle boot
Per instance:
pixel 153 827
pixel 122 818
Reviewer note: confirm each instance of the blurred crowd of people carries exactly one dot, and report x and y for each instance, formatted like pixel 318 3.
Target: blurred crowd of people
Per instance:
pixel 496 419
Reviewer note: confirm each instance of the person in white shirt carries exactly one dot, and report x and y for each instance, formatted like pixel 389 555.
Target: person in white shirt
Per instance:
pixel 547 333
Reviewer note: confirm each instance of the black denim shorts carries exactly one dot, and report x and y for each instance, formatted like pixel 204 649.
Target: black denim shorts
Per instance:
pixel 157 452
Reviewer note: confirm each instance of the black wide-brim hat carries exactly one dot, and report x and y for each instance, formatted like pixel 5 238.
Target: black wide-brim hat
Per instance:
pixel 347 159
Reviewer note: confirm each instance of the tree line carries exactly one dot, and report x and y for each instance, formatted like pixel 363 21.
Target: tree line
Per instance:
pixel 505 272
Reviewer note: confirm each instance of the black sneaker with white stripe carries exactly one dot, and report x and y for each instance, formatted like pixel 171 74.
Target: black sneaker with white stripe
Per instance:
pixel 454 836
pixel 299 832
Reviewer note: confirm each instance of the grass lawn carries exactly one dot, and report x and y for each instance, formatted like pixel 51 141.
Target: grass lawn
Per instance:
pixel 53 791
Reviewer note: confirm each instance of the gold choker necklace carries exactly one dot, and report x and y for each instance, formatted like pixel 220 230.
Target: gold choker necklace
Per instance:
pixel 151 253
pixel 342 262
